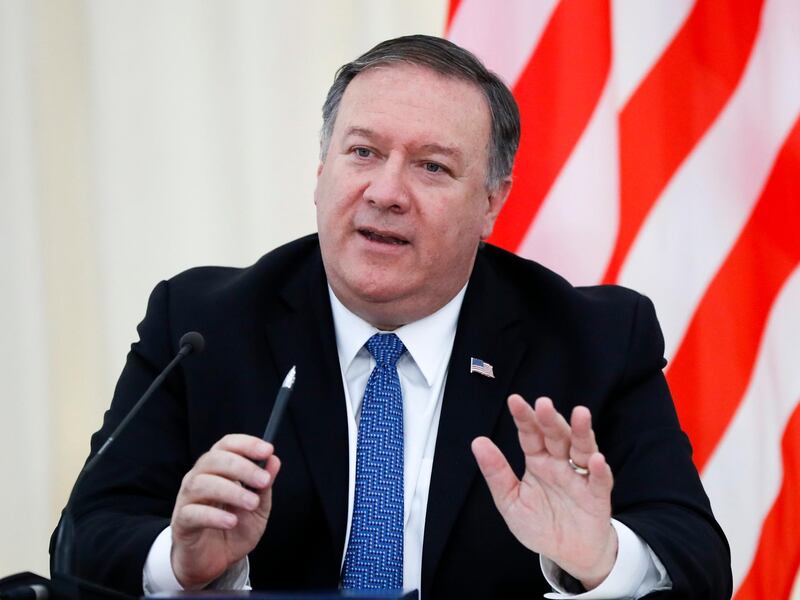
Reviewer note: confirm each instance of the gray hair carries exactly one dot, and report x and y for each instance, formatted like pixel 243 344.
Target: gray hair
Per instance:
pixel 444 57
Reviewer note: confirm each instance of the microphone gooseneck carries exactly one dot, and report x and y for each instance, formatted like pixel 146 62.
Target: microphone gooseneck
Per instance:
pixel 190 342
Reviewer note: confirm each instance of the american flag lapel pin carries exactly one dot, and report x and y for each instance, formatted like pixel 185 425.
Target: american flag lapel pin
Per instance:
pixel 476 365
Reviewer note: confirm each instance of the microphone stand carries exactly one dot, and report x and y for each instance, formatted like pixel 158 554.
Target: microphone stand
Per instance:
pixel 62 585
pixel 62 553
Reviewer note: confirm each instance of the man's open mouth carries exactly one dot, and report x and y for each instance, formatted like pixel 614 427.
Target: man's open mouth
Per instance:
pixel 382 238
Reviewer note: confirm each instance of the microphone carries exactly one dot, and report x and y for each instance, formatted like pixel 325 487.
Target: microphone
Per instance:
pixel 190 342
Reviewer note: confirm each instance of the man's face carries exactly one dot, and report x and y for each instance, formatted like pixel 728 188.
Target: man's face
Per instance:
pixel 401 196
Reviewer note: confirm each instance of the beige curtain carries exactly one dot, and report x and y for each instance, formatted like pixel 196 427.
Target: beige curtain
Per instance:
pixel 139 138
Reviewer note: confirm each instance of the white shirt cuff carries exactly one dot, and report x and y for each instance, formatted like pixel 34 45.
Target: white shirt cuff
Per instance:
pixel 157 575
pixel 637 571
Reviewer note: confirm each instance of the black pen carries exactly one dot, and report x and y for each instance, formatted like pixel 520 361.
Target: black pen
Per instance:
pixel 281 400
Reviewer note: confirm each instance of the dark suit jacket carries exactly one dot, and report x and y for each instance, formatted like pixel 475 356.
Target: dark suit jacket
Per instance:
pixel 598 346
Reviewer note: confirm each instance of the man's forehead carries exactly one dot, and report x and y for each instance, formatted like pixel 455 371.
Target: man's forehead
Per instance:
pixel 418 98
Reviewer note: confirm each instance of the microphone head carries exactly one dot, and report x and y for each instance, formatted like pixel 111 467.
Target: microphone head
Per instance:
pixel 194 340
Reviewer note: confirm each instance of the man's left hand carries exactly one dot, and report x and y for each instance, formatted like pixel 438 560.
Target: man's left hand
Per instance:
pixel 554 510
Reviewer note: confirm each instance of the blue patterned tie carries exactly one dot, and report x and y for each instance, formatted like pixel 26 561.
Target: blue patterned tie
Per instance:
pixel 374 558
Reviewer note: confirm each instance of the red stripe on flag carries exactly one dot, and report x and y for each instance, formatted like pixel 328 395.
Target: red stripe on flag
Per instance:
pixel 451 12
pixel 777 559
pixel 557 94
pixel 712 368
pixel 675 105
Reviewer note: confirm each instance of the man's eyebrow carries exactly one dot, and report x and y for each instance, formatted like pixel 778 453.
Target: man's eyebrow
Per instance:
pixel 439 149
pixel 362 131
pixel 432 147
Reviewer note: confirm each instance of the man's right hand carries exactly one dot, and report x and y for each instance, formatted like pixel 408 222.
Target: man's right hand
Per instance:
pixel 217 520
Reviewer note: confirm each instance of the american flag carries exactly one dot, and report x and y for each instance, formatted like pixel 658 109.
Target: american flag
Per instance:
pixel 661 151
pixel 476 365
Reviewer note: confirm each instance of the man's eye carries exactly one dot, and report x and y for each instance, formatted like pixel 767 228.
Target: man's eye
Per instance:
pixel 433 167
pixel 363 152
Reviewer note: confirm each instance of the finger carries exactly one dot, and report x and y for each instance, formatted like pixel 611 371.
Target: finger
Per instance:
pixel 245 445
pixel 582 440
pixel 235 467
pixel 271 468
pixel 554 427
pixel 530 436
pixel 193 517
pixel 203 488
pixel 601 480
pixel 503 484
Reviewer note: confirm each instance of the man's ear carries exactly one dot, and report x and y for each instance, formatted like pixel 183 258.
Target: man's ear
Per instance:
pixel 316 187
pixel 496 198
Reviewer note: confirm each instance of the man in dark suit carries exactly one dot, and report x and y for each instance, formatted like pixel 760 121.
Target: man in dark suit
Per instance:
pixel 417 149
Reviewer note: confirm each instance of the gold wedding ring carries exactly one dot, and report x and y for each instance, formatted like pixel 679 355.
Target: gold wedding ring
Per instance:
pixel 578 469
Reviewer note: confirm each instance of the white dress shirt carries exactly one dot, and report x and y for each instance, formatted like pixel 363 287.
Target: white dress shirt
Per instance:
pixel 422 370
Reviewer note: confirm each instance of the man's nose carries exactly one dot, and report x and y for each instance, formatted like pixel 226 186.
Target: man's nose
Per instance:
pixel 388 188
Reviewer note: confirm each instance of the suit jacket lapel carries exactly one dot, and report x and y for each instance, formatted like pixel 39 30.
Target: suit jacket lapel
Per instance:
pixel 472 403
pixel 305 337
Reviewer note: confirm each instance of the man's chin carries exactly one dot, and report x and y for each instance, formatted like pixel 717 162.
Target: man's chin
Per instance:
pixel 380 294
pixel 379 303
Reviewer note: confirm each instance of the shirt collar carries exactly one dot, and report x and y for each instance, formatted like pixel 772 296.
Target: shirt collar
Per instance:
pixel 427 340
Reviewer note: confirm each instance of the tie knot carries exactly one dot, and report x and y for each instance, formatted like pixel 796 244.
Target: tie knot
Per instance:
pixel 385 348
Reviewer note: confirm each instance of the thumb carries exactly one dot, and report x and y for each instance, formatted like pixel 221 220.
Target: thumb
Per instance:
pixel 503 483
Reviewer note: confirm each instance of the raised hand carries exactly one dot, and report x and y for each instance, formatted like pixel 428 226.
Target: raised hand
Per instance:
pixel 559 510
pixel 217 520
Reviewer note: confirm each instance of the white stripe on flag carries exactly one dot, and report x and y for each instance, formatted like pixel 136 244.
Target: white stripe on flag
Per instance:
pixel 641 33
pixel 476 25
